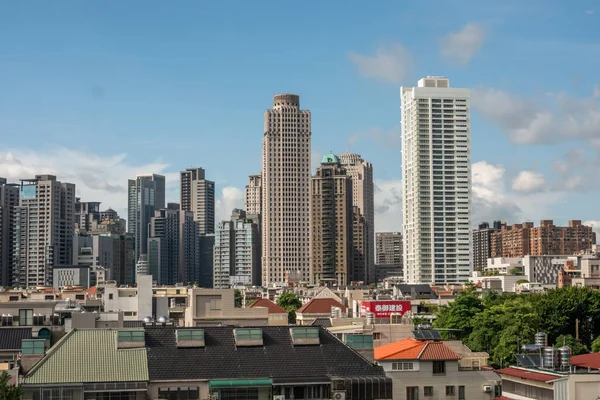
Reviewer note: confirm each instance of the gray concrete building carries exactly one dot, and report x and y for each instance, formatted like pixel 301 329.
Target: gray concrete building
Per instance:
pixel 361 173
pixel 388 247
pixel 9 203
pixel 285 192
pixel 72 275
pixel 146 194
pixel 172 245
pixel 87 213
pixel 237 252
pixel 198 196
pixel 45 229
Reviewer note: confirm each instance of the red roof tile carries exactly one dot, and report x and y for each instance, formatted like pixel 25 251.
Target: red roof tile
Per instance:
pixel 92 290
pixel 411 349
pixel 269 305
pixel 438 351
pixel 320 306
pixel 586 361
pixel 528 374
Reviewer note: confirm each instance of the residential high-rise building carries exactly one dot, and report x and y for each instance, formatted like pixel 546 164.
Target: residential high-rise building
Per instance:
pixel 436 182
pixel 203 273
pixel 389 248
pixel 285 192
pixel 44 229
pixel 9 204
pixel 482 243
pixel 86 213
pixel 172 245
pixel 331 224
pixel 361 173
pixel 547 239
pixel 237 252
pixel 198 196
pixel 146 194
pixel 253 195
pixel 360 264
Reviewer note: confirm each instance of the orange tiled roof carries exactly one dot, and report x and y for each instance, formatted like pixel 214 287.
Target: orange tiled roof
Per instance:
pixel 412 349
pixel 320 306
pixel 92 290
pixel 269 305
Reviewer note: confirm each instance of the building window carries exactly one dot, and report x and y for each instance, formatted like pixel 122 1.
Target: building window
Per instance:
pixel 461 393
pixel 131 336
pixel 428 391
pixel 403 366
pixel 377 336
pixel 439 367
pixel 110 296
pixel 178 393
pixel 360 341
pixel 449 390
pixel 26 317
pixel 190 334
pixel 412 393
pixel 29 346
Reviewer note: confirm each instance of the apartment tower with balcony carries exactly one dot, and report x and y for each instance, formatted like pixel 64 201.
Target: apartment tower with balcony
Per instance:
pixel 285 192
pixel 198 196
pixel 436 185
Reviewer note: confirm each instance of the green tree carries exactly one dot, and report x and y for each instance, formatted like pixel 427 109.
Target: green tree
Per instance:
pixel 460 313
pixel 290 303
pixel 596 345
pixel 8 391
pixel 568 340
pixel 238 298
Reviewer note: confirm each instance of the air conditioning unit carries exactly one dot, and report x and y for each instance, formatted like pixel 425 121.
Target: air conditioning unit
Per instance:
pixel 279 397
pixel 339 396
pixel 487 389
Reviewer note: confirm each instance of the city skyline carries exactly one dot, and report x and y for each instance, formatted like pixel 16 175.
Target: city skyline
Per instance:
pixel 162 117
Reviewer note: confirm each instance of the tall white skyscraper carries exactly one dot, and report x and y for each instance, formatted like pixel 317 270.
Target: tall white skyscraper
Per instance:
pixel 436 181
pixel 285 191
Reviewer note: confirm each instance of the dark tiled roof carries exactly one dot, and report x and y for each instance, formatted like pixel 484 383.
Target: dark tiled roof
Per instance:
pixel 277 358
pixel 10 338
pixel 133 324
pixel 324 322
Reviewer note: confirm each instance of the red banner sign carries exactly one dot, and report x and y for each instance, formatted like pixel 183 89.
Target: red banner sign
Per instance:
pixel 384 308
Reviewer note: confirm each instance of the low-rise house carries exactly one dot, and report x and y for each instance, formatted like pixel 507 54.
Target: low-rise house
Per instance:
pixel 277 315
pixel 429 369
pixel 274 362
pixel 90 364
pixel 217 307
pixel 318 308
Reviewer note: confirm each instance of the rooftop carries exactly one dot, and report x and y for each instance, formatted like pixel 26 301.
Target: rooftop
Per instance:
pixel 269 305
pixel 530 374
pixel 330 159
pixel 586 361
pixel 10 338
pixel 277 358
pixel 412 349
pixel 320 306
pixel 91 355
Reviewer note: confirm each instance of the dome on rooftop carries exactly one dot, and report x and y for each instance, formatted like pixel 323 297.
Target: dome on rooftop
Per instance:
pixel 330 159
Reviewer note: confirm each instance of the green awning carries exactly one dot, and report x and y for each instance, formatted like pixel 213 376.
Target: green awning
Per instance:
pixel 240 382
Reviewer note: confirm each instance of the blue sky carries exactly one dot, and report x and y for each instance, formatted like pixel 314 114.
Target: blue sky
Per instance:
pixel 98 91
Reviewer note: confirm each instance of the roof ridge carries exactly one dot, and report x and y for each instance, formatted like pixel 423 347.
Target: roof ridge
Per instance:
pixel 51 351
pixel 423 350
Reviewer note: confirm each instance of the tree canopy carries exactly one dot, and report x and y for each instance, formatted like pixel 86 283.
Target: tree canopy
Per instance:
pixel 290 302
pixel 500 324
pixel 8 391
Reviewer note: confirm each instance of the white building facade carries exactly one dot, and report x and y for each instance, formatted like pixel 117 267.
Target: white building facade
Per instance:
pixel 436 185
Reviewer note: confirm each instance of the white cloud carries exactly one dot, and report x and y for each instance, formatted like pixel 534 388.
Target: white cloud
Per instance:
pixel 556 117
pixel 594 224
pixel 461 46
pixel 597 92
pixel 589 12
pixel 231 197
pixel 528 182
pixel 391 63
pixel 97 178
pixel 388 205
pixel 315 161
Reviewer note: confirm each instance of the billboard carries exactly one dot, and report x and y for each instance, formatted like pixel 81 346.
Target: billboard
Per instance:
pixel 384 308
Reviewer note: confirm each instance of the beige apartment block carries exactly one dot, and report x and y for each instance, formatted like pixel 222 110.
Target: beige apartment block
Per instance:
pixel 285 192
pixel 253 195
pixel 389 248
pixel 217 307
pixel 361 173
pixel 198 196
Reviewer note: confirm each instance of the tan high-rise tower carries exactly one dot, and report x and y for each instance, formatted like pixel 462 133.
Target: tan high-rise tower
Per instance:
pixel 285 191
pixel 361 173
pixel 331 224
